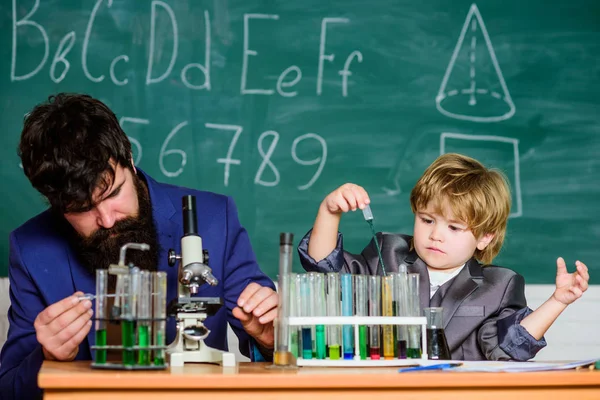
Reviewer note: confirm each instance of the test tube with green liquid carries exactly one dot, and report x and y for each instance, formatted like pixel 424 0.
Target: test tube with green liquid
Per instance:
pixel 101 314
pixel 317 281
pixel 387 308
pixel 305 295
pixel 144 317
pixel 159 291
pixel 334 305
pixel 400 309
pixel 414 308
pixel 294 296
pixel 361 303
pixel 127 316
pixel 374 311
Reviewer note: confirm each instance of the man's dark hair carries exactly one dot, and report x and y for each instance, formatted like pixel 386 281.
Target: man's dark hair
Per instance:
pixel 67 146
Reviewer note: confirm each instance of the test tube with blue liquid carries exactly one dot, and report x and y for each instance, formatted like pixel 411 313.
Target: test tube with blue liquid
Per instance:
pixel 347 311
pixel 334 332
pixel 305 295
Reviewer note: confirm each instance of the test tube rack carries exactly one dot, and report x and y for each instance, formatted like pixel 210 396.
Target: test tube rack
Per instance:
pixel 142 337
pixel 356 322
pixel 133 350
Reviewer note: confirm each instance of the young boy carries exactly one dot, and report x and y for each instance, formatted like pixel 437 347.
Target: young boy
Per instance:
pixel 461 210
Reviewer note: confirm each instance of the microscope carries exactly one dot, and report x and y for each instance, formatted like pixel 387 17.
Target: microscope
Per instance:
pixel 190 312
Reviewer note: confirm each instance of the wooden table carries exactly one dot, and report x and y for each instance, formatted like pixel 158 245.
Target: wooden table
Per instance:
pixel 76 380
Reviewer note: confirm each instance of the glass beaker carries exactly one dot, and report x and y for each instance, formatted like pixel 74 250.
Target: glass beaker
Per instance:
pixel 437 345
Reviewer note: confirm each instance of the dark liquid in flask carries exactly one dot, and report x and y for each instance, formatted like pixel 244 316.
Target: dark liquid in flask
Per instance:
pixel 437 346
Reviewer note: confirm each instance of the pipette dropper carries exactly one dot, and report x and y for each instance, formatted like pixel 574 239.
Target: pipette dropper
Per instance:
pixel 368 214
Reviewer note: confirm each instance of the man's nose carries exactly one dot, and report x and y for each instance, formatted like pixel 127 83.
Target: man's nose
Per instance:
pixel 105 216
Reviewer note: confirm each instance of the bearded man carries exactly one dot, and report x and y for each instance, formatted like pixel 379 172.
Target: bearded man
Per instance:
pixel 77 156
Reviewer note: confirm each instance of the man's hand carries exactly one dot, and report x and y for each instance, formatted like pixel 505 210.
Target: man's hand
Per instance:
pixel 256 310
pixel 62 326
pixel 570 287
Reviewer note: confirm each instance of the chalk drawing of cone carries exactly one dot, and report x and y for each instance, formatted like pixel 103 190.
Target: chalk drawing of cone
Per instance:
pixel 473 87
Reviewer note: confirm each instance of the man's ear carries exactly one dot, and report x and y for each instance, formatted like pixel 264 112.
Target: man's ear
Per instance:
pixel 485 240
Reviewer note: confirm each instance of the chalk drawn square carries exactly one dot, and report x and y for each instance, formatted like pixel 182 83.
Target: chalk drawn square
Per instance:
pixel 493 151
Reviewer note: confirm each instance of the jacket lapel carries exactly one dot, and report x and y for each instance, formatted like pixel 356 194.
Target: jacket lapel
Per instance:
pixel 463 285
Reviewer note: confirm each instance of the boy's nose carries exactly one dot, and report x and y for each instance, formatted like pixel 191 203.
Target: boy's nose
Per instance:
pixel 435 234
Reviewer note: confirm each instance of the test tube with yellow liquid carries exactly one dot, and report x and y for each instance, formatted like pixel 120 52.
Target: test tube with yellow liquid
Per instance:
pixel 282 355
pixel 387 307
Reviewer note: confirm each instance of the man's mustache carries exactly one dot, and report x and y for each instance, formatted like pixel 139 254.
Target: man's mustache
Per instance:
pixel 103 234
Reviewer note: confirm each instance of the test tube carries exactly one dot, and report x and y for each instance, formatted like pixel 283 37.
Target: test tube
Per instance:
pixel 294 296
pixel 387 307
pixel 281 355
pixel 334 332
pixel 361 303
pixel 305 294
pixel 319 306
pixel 414 308
pixel 347 311
pixel 159 290
pixel 127 332
pixel 400 309
pixel 374 311
pixel 101 313
pixel 144 316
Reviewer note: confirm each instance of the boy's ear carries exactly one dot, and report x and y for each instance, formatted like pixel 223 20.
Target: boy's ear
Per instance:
pixel 485 240
pixel 132 164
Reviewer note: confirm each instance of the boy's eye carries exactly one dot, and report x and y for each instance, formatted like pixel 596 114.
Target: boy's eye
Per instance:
pixel 426 220
pixel 454 228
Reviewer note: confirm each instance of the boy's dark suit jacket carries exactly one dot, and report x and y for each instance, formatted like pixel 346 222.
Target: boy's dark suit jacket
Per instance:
pixel 482 305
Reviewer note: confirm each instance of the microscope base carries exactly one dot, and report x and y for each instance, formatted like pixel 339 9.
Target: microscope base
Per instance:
pixel 204 355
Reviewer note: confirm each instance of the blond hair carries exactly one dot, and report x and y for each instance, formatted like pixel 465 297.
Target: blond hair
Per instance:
pixel 478 196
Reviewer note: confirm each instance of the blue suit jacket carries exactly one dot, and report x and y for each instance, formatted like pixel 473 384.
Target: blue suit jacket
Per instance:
pixel 43 270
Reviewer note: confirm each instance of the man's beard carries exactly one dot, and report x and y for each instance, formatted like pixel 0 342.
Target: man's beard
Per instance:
pixel 102 248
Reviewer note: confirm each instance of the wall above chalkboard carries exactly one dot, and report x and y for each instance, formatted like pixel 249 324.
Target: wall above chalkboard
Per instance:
pixel 278 103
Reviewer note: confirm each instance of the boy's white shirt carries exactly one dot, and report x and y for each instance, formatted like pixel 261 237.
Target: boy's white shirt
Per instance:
pixel 438 278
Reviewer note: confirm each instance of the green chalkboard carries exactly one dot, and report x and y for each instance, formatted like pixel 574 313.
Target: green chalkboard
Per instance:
pixel 279 102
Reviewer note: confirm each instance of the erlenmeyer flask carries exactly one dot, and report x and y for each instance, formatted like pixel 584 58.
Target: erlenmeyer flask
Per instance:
pixel 437 345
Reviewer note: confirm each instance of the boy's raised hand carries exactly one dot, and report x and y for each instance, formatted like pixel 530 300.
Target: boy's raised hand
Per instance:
pixel 345 198
pixel 570 286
